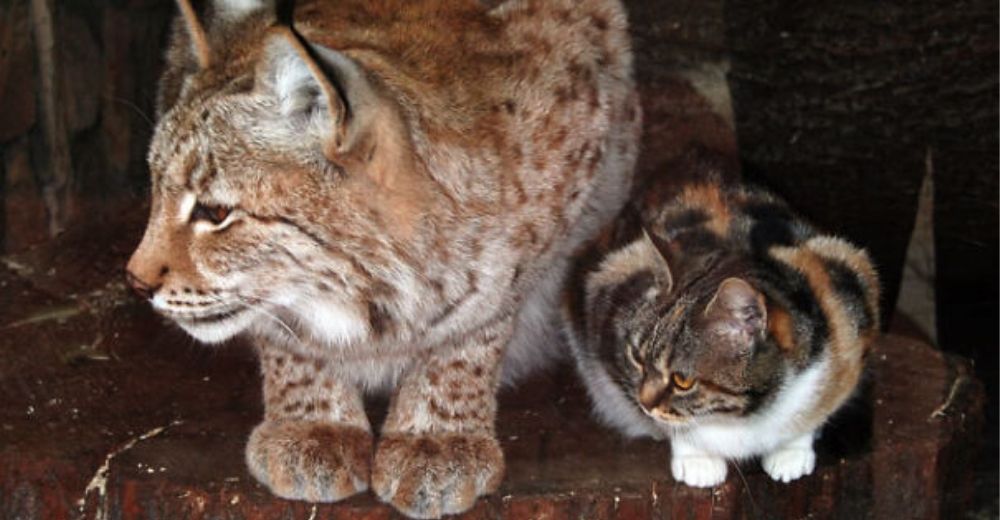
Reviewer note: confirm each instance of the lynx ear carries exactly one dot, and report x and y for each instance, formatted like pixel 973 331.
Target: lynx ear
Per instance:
pixel 737 313
pixel 226 9
pixel 320 92
pixel 199 40
pixel 663 273
pixel 236 9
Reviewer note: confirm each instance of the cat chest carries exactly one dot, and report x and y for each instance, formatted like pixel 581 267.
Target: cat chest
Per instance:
pixel 787 417
pixel 740 441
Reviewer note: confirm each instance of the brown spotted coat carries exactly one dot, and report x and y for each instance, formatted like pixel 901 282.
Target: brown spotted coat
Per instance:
pixel 384 198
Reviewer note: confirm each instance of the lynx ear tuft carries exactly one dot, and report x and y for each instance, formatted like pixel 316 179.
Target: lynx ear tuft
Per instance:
pixel 227 9
pixel 196 31
pixel 737 313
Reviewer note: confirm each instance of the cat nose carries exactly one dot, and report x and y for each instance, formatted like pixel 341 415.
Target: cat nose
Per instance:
pixel 143 289
pixel 652 391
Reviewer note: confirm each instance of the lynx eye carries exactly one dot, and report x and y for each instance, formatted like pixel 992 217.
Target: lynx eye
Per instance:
pixel 682 382
pixel 214 214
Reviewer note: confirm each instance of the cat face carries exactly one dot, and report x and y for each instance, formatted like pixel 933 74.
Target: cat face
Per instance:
pixel 690 349
pixel 263 181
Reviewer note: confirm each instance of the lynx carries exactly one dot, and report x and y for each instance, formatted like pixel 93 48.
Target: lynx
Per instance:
pixel 382 196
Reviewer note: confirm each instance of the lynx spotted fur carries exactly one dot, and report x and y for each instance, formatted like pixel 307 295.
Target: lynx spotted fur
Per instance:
pixel 383 197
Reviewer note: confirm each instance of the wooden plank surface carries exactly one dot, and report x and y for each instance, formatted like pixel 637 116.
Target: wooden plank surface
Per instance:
pixel 111 413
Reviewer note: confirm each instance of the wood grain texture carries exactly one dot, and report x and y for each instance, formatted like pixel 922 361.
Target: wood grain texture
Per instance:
pixel 61 422
pixel 98 379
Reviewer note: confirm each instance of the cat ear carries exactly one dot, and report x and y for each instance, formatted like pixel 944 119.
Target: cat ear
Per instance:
pixel 737 313
pixel 663 274
pixel 320 92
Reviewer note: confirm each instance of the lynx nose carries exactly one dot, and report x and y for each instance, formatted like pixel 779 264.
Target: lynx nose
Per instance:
pixel 143 289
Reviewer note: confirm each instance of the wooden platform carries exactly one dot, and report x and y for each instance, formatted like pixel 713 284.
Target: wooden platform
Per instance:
pixel 108 413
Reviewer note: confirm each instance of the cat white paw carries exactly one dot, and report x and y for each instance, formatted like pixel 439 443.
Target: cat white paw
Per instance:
pixel 789 464
pixel 699 470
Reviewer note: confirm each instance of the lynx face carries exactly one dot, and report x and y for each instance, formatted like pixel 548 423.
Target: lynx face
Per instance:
pixel 216 253
pixel 262 192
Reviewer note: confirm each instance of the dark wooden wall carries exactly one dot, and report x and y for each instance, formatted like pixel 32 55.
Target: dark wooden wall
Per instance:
pixel 106 56
pixel 844 107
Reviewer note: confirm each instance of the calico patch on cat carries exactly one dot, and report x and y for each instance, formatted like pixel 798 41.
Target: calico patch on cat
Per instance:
pixel 726 323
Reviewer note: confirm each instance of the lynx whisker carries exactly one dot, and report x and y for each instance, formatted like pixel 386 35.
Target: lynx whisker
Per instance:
pixel 274 317
pixel 253 303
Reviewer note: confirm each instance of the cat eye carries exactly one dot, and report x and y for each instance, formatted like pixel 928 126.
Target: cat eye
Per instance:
pixel 682 382
pixel 630 354
pixel 214 214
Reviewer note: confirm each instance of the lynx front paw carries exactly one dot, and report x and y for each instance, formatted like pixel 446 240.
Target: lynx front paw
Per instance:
pixel 789 464
pixel 314 461
pixel 698 470
pixel 426 476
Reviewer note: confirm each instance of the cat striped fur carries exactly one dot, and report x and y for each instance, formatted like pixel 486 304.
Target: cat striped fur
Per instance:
pixel 718 318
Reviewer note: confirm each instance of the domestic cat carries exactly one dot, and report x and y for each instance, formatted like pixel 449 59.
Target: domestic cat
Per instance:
pixel 719 319
pixel 383 197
